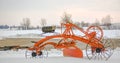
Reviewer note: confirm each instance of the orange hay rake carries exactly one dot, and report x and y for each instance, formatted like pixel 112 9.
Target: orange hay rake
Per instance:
pixel 95 48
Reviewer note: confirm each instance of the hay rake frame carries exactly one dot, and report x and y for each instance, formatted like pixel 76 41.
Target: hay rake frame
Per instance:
pixel 92 37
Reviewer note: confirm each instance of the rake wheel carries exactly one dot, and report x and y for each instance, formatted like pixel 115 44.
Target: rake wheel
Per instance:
pixel 32 54
pixel 100 53
pixel 98 30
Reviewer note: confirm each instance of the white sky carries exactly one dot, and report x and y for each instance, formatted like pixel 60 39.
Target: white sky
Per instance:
pixel 13 11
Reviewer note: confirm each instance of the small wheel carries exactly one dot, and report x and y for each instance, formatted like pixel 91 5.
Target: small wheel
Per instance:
pixel 100 53
pixel 98 30
pixel 32 54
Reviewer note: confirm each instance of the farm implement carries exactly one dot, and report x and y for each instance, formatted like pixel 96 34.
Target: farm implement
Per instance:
pixel 96 47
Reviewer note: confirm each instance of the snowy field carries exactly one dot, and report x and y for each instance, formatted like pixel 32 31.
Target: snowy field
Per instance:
pixel 54 56
pixel 36 33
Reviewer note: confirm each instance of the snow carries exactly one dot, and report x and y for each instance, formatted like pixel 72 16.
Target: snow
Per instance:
pixel 111 33
pixel 56 57
pixel 9 33
pixel 37 33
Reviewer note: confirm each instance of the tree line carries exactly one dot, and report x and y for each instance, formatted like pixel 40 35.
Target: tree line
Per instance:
pixel 26 23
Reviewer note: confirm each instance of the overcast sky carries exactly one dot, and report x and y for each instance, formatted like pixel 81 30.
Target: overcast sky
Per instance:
pixel 13 11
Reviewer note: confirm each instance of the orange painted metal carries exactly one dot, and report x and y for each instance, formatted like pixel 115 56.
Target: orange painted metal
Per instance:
pixel 89 38
pixel 73 52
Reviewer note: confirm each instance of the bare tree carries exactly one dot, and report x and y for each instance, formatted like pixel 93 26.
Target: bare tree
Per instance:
pixel 25 23
pixel 66 18
pixel 43 22
pixel 103 19
pixel 97 23
pixel 107 21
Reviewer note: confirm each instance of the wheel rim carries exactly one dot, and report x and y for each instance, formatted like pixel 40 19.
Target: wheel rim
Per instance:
pixel 32 54
pixel 100 53
pixel 98 30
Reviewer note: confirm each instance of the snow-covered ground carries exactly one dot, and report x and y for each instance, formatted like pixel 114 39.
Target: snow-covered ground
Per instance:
pixel 9 33
pixel 53 57
pixel 36 33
